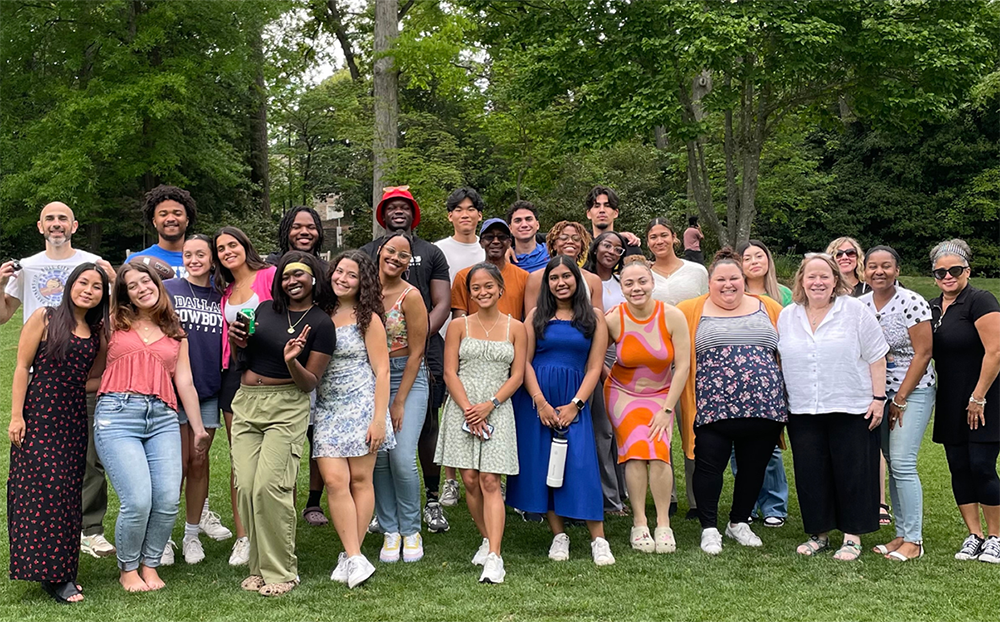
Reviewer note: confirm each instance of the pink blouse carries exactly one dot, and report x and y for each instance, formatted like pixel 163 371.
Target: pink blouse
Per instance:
pixel 137 367
pixel 261 286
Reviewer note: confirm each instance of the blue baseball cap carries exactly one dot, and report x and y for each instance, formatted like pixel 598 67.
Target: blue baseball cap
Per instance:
pixel 495 222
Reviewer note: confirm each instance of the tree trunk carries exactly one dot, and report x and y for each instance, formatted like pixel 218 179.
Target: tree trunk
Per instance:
pixel 386 100
pixel 259 174
pixel 732 192
pixel 699 185
pixel 336 22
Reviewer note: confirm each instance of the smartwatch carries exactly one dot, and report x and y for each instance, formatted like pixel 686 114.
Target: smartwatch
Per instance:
pixel 578 403
pixel 496 402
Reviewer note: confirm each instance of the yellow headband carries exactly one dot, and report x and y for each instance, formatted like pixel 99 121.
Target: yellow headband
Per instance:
pixel 296 265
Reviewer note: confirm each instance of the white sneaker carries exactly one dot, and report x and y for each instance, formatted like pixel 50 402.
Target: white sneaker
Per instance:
pixel 664 537
pixel 742 533
pixel 359 569
pixel 211 526
pixel 493 571
pixel 711 541
pixel 641 540
pixel 241 552
pixel 484 551
pixel 167 559
pixel 449 496
pixel 96 546
pixel 559 551
pixel 373 526
pixel 601 551
pixel 339 573
pixel 413 548
pixel 193 551
pixel 390 548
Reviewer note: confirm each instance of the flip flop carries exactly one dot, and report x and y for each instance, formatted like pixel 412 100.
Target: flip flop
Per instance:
pixel 314 516
pixel 62 592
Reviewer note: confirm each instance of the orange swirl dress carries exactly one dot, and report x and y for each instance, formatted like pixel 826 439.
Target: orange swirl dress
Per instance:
pixel 638 384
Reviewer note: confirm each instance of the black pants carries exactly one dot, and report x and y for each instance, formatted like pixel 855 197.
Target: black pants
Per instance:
pixel 695 256
pixel 95 485
pixel 836 472
pixel 427 443
pixel 973 469
pixel 754 441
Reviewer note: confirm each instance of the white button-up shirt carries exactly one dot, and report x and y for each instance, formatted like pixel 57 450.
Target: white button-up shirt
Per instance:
pixel 827 371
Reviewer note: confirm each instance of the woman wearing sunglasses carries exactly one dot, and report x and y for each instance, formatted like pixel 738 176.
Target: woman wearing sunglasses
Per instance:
pixel 847 253
pixel 966 325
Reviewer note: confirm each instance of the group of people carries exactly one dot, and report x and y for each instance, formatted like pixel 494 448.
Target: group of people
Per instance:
pixel 562 366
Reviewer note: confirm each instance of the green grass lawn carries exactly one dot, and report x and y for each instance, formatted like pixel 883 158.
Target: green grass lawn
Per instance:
pixel 771 583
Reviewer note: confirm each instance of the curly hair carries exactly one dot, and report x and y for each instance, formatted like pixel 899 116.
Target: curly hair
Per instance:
pixel 556 231
pixel 369 297
pixel 163 193
pixel 859 271
pixel 285 228
pixel 124 313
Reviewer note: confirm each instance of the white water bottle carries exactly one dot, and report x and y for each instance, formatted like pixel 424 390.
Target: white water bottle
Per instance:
pixel 557 462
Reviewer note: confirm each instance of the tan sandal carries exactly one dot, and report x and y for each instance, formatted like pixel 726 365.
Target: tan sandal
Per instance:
pixel 848 552
pixel 253 583
pixel 278 589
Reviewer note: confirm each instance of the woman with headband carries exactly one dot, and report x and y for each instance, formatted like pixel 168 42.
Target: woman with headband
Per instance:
pixel 287 343
pixel 966 326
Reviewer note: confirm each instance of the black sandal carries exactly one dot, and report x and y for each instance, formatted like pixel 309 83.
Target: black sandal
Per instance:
pixel 62 592
pixel 884 516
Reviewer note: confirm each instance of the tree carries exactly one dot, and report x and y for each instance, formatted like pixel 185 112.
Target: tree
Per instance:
pixel 386 85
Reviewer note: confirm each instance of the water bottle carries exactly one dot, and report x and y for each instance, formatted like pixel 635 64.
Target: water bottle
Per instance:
pixel 557 462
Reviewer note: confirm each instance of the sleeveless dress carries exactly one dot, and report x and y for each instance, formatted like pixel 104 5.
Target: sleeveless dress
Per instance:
pixel 345 401
pixel 483 367
pixel 45 485
pixel 638 384
pixel 560 364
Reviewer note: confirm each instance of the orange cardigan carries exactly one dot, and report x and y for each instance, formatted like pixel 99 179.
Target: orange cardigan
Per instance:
pixel 692 309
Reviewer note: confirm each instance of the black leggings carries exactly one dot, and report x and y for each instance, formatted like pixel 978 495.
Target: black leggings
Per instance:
pixel 973 469
pixel 427 443
pixel 754 440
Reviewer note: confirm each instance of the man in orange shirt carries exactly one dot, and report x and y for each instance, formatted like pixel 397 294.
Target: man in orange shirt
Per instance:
pixel 496 239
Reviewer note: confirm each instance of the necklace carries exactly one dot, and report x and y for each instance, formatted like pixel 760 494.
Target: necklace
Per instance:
pixel 491 327
pixel 816 319
pixel 145 338
pixel 291 327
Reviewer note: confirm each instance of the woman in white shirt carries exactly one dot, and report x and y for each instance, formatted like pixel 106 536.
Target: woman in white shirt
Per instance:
pixel 833 357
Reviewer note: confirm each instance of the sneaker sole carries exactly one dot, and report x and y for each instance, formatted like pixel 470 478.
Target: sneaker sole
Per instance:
pixel 192 563
pixel 438 529
pixel 989 559
pixel 410 560
pixel 966 558
pixel 388 560
pixel 449 503
pixel 559 558
pixel 359 582
pixel 216 538
pixel 97 554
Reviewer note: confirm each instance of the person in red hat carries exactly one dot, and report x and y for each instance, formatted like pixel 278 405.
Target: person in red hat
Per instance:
pixel 398 211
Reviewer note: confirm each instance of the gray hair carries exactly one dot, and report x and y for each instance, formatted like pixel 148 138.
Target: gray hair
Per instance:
pixel 955 247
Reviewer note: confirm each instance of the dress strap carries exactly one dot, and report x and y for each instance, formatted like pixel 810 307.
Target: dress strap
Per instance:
pixel 506 335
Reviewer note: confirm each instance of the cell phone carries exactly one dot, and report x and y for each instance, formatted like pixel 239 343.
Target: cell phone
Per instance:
pixel 16 265
pixel 247 318
pixel 486 436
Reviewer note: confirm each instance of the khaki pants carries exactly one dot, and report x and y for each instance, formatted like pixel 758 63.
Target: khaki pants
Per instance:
pixel 269 431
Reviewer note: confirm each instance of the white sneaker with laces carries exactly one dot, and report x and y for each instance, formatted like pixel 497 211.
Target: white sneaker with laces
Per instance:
pixel 96 546
pixel 413 548
pixel 449 495
pixel 167 559
pixel 559 551
pixel 484 551
pixel 193 551
pixel 742 533
pixel 991 551
pixel 359 569
pixel 493 571
pixel 212 526
pixel 601 551
pixel 241 552
pixel 390 548
pixel 339 573
pixel 711 541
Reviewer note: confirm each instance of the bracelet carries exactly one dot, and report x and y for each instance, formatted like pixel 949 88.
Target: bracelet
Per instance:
pixel 879 399
pixel 898 405
pixel 973 400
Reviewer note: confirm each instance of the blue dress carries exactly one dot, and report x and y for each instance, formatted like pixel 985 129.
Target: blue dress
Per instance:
pixel 560 363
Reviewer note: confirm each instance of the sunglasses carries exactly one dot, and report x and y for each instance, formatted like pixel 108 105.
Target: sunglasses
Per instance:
pixel 609 247
pixel 392 188
pixel 850 252
pixel 955 271
pixel 491 237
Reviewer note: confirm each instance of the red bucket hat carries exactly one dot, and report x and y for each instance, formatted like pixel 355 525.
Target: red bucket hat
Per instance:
pixel 397 192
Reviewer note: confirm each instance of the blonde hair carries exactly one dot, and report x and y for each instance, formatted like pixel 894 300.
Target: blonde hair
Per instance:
pixel 832 248
pixel 585 239
pixel 799 291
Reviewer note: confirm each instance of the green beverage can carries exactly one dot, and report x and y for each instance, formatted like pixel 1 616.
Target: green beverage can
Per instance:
pixel 250 319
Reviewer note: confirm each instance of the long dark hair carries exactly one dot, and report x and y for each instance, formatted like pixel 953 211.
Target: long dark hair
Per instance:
pixel 583 312
pixel 62 319
pixel 285 228
pixel 591 265
pixel 223 276
pixel 369 288
pixel 322 296
pixel 124 312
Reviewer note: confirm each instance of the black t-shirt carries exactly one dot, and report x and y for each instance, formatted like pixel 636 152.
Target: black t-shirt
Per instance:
pixel 958 358
pixel 427 264
pixel 264 354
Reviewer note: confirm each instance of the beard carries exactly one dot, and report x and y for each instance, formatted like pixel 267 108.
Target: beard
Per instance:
pixel 50 239
pixel 170 238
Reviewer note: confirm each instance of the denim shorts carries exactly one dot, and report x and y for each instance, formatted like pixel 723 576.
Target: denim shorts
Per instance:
pixel 209 413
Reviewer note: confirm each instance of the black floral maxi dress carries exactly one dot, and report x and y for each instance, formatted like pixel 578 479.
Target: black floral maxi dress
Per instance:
pixel 45 485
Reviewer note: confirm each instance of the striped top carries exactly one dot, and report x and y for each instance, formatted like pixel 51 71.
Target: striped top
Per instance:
pixel 754 329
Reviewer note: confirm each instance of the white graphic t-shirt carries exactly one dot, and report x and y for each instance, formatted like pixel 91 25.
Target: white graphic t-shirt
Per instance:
pixel 40 281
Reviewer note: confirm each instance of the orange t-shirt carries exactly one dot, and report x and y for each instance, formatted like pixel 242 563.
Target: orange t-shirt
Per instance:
pixel 511 303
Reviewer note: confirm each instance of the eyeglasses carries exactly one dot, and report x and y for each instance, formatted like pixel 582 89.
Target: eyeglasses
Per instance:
pixel 394 188
pixel 568 238
pixel 401 255
pixel 955 271
pixel 850 252
pixel 492 237
pixel 609 247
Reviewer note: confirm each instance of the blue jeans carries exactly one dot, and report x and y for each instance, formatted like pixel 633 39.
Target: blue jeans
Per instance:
pixel 139 442
pixel 900 448
pixel 397 483
pixel 773 498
